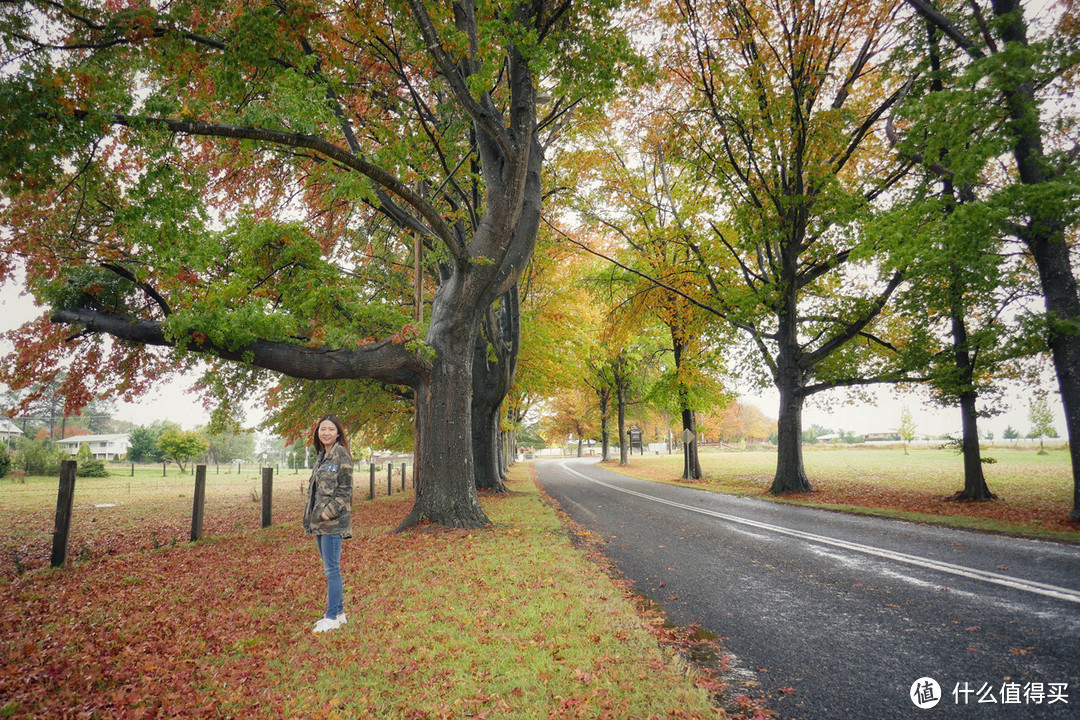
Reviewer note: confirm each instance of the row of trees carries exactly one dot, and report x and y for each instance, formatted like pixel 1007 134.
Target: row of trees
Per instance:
pixel 340 208
pixel 853 194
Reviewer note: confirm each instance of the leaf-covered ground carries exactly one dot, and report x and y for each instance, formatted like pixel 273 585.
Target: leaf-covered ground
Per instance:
pixel 513 621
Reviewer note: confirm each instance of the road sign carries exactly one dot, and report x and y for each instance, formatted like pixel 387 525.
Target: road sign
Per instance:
pixel 688 436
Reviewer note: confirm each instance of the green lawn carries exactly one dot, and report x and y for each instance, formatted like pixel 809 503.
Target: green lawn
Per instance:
pixel 1034 491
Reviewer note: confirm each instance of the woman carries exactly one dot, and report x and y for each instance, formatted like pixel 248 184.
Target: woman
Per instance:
pixel 328 515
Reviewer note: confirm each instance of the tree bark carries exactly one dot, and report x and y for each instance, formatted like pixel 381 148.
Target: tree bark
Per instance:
pixel 691 463
pixel 488 391
pixel 444 421
pixel 790 472
pixel 605 432
pixel 1045 238
pixel 975 487
pixel 624 445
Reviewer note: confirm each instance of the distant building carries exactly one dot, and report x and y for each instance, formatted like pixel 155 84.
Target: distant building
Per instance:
pixel 104 447
pixel 9 430
pixel 882 436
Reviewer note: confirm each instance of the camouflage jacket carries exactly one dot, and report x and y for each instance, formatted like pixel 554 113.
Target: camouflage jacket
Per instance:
pixel 330 491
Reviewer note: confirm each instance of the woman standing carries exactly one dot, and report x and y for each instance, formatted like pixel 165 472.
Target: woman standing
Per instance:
pixel 328 515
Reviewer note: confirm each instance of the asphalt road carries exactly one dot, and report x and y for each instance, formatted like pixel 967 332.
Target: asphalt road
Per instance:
pixel 838 616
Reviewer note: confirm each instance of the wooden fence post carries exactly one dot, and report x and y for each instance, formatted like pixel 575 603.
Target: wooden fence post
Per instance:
pixel 199 504
pixel 402 477
pixel 267 495
pixel 65 498
pixel 371 471
pixel 389 479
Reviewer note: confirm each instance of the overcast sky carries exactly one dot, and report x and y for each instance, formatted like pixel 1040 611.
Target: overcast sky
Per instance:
pixel 176 402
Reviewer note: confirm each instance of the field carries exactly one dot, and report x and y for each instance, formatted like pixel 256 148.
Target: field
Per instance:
pixel 514 621
pixel 1034 491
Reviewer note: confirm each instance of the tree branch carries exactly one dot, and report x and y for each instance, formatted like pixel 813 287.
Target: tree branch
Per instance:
pixel 317 144
pixel 384 360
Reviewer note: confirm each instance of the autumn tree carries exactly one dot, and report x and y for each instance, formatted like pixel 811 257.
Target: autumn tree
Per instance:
pixel 788 101
pixel 181 446
pixel 229 181
pixel 642 213
pixel 554 309
pixel 1014 76
pixel 971 280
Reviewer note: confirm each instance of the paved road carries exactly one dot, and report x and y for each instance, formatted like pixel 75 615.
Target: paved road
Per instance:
pixel 840 616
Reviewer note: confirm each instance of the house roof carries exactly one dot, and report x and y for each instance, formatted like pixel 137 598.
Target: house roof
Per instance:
pixel 9 428
pixel 79 439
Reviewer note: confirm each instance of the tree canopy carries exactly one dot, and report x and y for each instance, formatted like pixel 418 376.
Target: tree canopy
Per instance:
pixel 336 206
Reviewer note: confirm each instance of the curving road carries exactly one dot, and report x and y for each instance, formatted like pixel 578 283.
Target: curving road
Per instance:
pixel 839 616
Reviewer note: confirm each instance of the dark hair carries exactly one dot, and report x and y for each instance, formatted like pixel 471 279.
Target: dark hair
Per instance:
pixel 342 437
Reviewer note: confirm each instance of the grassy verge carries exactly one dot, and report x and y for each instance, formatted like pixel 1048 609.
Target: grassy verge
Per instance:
pixel 513 621
pixel 1034 491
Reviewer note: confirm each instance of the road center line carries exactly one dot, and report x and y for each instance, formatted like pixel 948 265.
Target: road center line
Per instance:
pixel 1031 586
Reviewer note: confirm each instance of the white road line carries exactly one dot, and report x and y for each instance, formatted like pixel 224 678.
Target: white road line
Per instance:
pixel 1052 591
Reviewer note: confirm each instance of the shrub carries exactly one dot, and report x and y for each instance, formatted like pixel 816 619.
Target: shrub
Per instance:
pixel 89 466
pixel 92 468
pixel 39 457
pixel 5 462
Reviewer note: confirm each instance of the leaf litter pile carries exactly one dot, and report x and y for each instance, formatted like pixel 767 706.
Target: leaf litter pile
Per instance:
pixel 512 621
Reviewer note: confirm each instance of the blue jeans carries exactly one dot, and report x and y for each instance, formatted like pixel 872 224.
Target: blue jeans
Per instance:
pixel 330 550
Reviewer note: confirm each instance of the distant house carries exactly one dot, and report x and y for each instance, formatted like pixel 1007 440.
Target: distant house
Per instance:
pixel 104 447
pixel 882 436
pixel 9 430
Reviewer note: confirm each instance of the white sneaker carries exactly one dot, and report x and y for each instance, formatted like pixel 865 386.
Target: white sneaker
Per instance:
pixel 341 619
pixel 325 624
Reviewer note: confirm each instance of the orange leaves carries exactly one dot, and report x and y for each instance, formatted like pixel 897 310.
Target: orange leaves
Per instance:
pixel 405 334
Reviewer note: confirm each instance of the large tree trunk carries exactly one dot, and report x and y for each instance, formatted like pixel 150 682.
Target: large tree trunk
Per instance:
pixel 790 472
pixel 691 464
pixel 624 445
pixel 1063 307
pixel 486 451
pixel 975 487
pixel 1045 238
pixel 487 393
pixel 605 431
pixel 446 494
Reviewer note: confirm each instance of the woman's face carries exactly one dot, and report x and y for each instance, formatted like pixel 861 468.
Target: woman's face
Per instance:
pixel 328 433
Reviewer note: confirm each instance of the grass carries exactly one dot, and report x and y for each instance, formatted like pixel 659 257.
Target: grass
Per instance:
pixel 518 620
pixel 513 621
pixel 1034 491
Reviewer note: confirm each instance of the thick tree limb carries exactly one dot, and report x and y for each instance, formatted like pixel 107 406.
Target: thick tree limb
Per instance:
pixel 928 11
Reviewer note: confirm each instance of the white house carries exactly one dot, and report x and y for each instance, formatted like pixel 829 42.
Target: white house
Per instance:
pixel 104 447
pixel 9 430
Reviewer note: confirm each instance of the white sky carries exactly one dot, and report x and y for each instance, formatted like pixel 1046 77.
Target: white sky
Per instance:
pixel 173 401
pixel 176 402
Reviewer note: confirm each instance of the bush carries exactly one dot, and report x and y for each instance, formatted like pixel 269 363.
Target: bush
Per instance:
pixel 89 466
pixel 39 457
pixel 92 468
